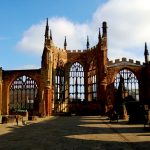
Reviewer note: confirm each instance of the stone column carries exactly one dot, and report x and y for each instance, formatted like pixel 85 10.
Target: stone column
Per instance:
pixel 48 100
pixel 0 91
pixel 0 97
pixel 103 96
pixel 86 84
pixel 5 99
pixel 67 98
pixel 42 104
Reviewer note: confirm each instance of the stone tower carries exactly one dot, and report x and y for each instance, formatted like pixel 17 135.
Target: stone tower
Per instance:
pixel 0 90
pixel 46 74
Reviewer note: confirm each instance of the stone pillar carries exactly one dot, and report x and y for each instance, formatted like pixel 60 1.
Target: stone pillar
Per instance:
pixel 42 105
pixel 5 98
pixel 67 98
pixel 124 114
pixel 0 91
pixel 120 99
pixel 0 97
pixel 103 96
pixel 102 62
pixel 48 101
pixel 86 84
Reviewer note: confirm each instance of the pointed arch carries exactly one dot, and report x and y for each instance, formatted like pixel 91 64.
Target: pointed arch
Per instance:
pixel 23 93
pixel 60 81
pixel 92 92
pixel 76 82
pixel 127 80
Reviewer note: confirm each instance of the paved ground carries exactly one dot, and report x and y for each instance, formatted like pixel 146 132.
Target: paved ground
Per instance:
pixel 74 133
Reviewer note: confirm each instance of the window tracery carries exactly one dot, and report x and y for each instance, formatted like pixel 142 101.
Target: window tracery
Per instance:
pixel 23 93
pixel 76 88
pixel 60 81
pixel 129 83
pixel 92 82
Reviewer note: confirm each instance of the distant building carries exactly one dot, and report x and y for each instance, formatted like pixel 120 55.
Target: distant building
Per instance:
pixel 84 82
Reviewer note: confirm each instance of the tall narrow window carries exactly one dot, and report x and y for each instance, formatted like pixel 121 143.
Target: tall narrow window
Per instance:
pixel 76 88
pixel 129 83
pixel 92 82
pixel 23 93
pixel 59 82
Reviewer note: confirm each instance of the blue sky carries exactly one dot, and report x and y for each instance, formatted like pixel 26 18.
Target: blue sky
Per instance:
pixel 18 15
pixel 23 22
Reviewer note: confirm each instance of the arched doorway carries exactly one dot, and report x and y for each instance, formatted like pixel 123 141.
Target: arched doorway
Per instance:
pixel 23 94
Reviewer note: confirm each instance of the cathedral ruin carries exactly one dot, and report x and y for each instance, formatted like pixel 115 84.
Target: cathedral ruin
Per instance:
pixel 82 82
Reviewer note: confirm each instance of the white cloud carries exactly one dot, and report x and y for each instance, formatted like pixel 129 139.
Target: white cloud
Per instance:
pixel 33 39
pixel 129 26
pixel 75 33
pixel 128 29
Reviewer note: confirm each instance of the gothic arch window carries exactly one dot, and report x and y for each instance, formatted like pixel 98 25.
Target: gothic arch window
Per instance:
pixel 60 82
pixel 76 88
pixel 129 83
pixel 92 82
pixel 23 93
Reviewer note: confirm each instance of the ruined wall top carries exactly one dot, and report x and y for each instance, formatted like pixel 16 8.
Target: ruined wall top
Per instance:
pixel 124 61
pixel 81 51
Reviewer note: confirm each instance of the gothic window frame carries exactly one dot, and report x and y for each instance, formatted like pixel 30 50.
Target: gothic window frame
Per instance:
pixel 23 93
pixel 76 82
pixel 92 86
pixel 60 82
pixel 131 83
